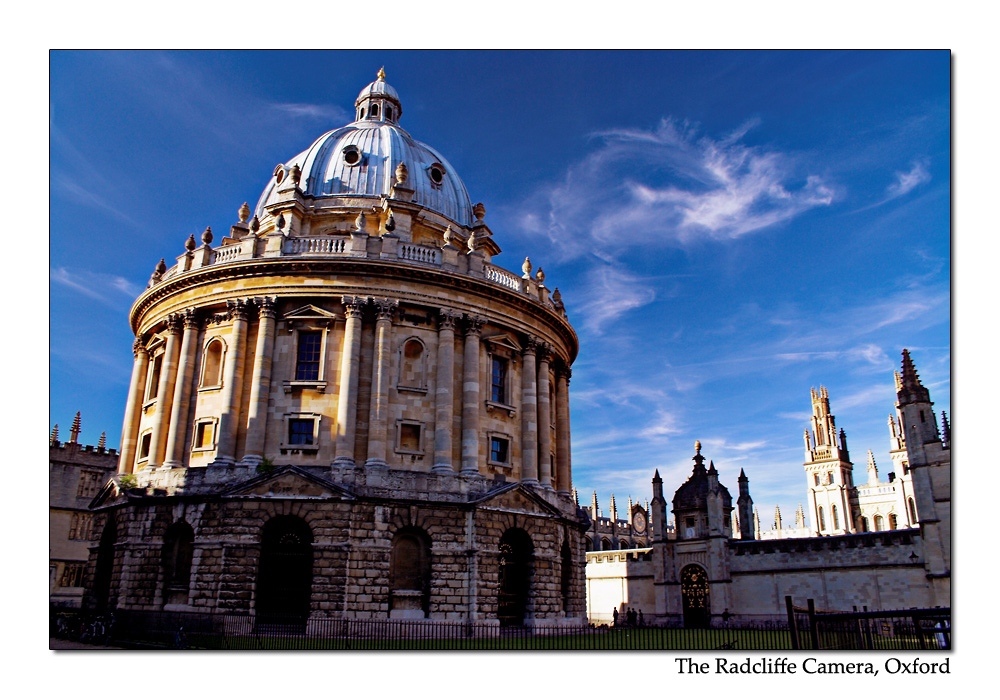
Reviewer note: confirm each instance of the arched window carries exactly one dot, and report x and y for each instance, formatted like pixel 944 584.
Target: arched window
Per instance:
pixel 605 545
pixel 410 574
pixel 374 112
pixel 177 553
pixel 892 521
pixel 388 112
pixel 411 365
pixel 836 517
pixel 822 520
pixel 913 510
pixel 284 574
pixel 514 577
pixel 622 544
pixel 211 373
pixel 878 524
pixel 864 524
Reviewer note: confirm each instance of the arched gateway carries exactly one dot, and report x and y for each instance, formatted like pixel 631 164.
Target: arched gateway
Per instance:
pixel 284 575
pixel 514 577
pixel 694 596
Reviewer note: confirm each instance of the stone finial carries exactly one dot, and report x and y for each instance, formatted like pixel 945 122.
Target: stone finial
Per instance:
pixel 74 430
pixel 540 276
pixel 390 222
pixel 161 267
pixel 254 225
pixel 526 267
pixel 54 437
pixel 449 235
pixel 206 237
pixel 295 174
pixel 361 222
pixel 244 213
pixel 479 211
pixel 190 244
pixel 401 173
pixel 102 441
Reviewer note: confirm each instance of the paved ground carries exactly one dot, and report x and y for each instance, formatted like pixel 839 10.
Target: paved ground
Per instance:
pixel 60 644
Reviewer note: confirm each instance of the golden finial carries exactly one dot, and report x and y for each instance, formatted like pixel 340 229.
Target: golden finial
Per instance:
pixel 697 446
pixel 381 73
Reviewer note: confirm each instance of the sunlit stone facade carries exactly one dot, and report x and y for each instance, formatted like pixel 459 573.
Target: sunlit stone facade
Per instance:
pixel 347 372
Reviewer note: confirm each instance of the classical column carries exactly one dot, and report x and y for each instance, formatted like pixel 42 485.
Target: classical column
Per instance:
pixel 176 436
pixel 350 361
pixel 470 396
pixel 544 419
pixel 378 415
pixel 165 392
pixel 529 414
pixel 232 385
pixel 444 389
pixel 133 407
pixel 562 430
pixel 260 386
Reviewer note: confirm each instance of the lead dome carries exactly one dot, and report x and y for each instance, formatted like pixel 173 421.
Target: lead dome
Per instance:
pixel 362 158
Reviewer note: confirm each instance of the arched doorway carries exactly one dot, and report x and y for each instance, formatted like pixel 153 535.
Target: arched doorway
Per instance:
pixel 410 574
pixel 177 555
pixel 284 574
pixel 514 577
pixel 694 596
pixel 105 563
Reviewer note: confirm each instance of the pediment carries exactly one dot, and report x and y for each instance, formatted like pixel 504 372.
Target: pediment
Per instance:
pixel 108 495
pixel 289 482
pixel 311 313
pixel 519 499
pixel 503 340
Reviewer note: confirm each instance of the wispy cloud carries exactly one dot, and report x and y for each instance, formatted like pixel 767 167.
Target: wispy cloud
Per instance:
pixel 112 290
pixel 672 184
pixel 905 182
pixel 302 110
pixel 610 293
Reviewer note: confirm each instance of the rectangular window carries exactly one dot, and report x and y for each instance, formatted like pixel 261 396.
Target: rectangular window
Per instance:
pixel 79 527
pixel 87 487
pixel 498 382
pixel 144 445
pixel 72 576
pixel 153 385
pixel 499 450
pixel 307 360
pixel 300 431
pixel 409 437
pixel 203 437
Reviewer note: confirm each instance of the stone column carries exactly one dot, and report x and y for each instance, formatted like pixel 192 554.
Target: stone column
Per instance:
pixel 347 400
pixel 470 396
pixel 176 437
pixel 444 389
pixel 544 420
pixel 165 392
pixel 529 414
pixel 562 431
pixel 232 385
pixel 260 388
pixel 133 407
pixel 378 415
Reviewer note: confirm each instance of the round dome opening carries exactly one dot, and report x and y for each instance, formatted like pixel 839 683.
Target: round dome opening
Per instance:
pixel 436 173
pixel 352 156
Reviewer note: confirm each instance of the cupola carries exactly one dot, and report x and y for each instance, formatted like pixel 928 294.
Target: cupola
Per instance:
pixel 378 102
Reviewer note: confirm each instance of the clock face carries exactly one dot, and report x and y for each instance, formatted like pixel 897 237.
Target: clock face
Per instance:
pixel 639 522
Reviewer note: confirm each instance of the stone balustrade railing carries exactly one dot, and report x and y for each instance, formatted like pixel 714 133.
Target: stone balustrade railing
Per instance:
pixel 348 247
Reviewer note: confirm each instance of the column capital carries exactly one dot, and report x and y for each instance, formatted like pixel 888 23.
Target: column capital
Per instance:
pixel 266 306
pixel 353 306
pixel 139 347
pixel 447 319
pixel 192 319
pixel 237 309
pixel 474 324
pixel 544 351
pixel 531 345
pixel 385 308
pixel 564 372
pixel 175 323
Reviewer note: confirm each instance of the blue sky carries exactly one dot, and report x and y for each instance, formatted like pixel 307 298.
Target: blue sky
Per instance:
pixel 728 229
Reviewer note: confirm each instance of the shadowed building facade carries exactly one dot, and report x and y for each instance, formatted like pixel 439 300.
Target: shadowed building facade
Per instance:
pixel 345 408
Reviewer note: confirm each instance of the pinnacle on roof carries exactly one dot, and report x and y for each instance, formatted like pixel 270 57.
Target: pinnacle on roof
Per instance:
pixel 946 428
pixel 74 430
pixel 101 442
pixel 910 390
pixel 54 437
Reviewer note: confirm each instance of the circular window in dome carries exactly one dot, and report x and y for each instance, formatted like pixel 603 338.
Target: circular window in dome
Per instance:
pixel 352 156
pixel 436 173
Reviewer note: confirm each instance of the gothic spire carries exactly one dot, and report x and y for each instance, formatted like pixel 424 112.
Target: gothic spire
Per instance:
pixel 910 389
pixel 101 442
pixel 54 437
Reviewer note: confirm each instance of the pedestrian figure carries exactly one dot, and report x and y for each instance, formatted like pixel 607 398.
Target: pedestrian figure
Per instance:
pixel 180 639
pixel 616 617
pixel 725 617
pixel 640 617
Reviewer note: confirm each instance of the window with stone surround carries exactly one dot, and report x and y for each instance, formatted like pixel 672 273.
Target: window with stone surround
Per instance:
pixel 822 520
pixel 409 437
pixel 878 524
pixel 892 521
pixel 307 356
pixel 144 442
pixel 836 517
pixel 301 434
pixel 88 484
pixel 153 378
pixel 204 434
pixel 72 575
pixel 79 526
pixel 499 450
pixel 498 379
pixel 412 371
pixel 310 328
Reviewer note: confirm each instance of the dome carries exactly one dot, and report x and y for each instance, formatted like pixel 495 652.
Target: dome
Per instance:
pixel 361 158
pixel 693 493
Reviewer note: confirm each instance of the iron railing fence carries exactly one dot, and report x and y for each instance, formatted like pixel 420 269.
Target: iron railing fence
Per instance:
pixel 885 630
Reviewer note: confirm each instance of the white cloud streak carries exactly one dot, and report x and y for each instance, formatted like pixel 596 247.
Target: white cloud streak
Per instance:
pixel 111 290
pixel 905 182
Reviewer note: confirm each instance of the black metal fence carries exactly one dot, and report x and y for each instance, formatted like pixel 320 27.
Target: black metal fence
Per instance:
pixel 183 630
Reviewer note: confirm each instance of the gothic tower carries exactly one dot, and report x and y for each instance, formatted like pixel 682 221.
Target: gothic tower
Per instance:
pixel 829 471
pixel 745 506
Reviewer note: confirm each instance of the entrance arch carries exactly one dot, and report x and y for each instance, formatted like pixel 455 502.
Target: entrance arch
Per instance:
pixel 694 596
pixel 410 574
pixel 284 574
pixel 514 576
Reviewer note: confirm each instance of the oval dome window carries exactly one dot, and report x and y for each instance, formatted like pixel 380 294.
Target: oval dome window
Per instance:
pixel 352 156
pixel 437 174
